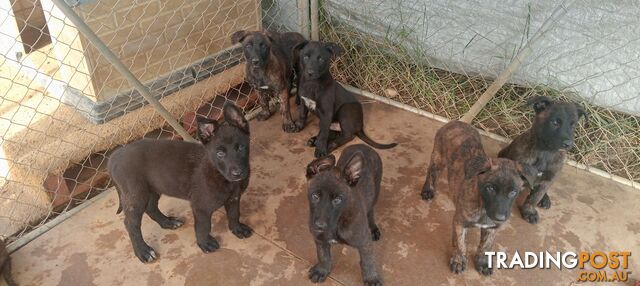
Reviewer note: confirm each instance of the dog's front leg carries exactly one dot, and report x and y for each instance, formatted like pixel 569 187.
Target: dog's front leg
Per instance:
pixel 458 262
pixel 528 209
pixel 487 237
pixel 368 265
pixel 320 271
pixel 232 206
pixel 302 113
pixel 322 140
pixel 287 123
pixel 263 101
pixel 202 224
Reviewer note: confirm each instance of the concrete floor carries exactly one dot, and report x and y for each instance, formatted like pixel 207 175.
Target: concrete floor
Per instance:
pixel 92 248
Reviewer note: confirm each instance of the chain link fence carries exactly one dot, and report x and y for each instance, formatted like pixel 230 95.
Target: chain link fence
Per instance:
pixel 64 107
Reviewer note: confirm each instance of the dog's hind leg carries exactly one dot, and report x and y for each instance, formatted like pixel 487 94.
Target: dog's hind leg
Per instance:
pixel 133 211
pixel 167 222
pixel 375 231
pixel 429 188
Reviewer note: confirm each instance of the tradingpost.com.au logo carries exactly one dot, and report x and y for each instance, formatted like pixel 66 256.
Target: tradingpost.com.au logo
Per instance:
pixel 612 266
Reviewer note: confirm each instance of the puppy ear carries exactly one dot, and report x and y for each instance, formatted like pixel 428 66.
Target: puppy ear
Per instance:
pixel 295 52
pixel 268 34
pixel 234 116
pixel 528 173
pixel 353 169
pixel 238 36
pixel 335 49
pixel 539 103
pixel 320 164
pixel 475 166
pixel 206 128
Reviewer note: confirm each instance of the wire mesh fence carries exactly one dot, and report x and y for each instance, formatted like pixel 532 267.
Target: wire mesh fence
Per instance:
pixel 64 107
pixel 441 57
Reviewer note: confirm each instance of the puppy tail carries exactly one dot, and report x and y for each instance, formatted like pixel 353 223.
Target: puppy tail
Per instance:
pixel 374 144
pixel 6 273
pixel 119 201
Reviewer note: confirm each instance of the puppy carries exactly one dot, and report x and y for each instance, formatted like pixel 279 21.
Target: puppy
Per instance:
pixel 5 264
pixel 483 188
pixel 341 200
pixel 269 69
pixel 209 175
pixel 544 146
pixel 339 111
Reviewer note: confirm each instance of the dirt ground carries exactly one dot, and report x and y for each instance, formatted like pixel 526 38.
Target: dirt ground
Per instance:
pixel 92 248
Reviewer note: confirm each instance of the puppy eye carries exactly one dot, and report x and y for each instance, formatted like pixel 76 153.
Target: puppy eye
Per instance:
pixel 556 122
pixel 263 45
pixel 490 189
pixel 241 147
pixel 315 197
pixel 220 154
pixel 305 58
pixel 336 201
pixel 512 194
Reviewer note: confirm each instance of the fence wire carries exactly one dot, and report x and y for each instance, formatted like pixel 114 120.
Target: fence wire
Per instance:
pixel 64 107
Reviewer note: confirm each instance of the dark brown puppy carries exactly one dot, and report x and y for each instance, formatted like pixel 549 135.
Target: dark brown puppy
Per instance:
pixel 339 111
pixel 5 264
pixel 483 188
pixel 341 200
pixel 269 69
pixel 209 175
pixel 544 147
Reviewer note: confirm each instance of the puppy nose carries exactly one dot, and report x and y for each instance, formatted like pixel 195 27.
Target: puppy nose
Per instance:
pixel 320 224
pixel 236 172
pixel 501 217
pixel 567 143
pixel 255 61
pixel 310 73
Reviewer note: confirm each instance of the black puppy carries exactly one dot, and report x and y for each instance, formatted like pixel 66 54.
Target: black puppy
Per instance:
pixel 341 200
pixel 544 146
pixel 209 175
pixel 269 69
pixel 339 111
pixel 5 264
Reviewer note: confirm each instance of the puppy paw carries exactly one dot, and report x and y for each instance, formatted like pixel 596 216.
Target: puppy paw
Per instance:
pixel 375 233
pixel 376 281
pixel 458 264
pixel 427 194
pixel 290 127
pixel 146 254
pixel 320 153
pixel 318 273
pixel 210 244
pixel 530 214
pixel 312 141
pixel 242 231
pixel 545 203
pixel 482 265
pixel 300 125
pixel 171 223
pixel 263 115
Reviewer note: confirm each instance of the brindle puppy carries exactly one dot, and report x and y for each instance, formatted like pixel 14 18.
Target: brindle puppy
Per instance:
pixel 269 69
pixel 341 200
pixel 483 189
pixel 5 264
pixel 544 146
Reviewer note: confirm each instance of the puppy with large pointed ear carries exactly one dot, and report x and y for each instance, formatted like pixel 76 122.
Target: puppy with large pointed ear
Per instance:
pixel 539 103
pixel 476 166
pixel 206 128
pixel 321 164
pixel 235 117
